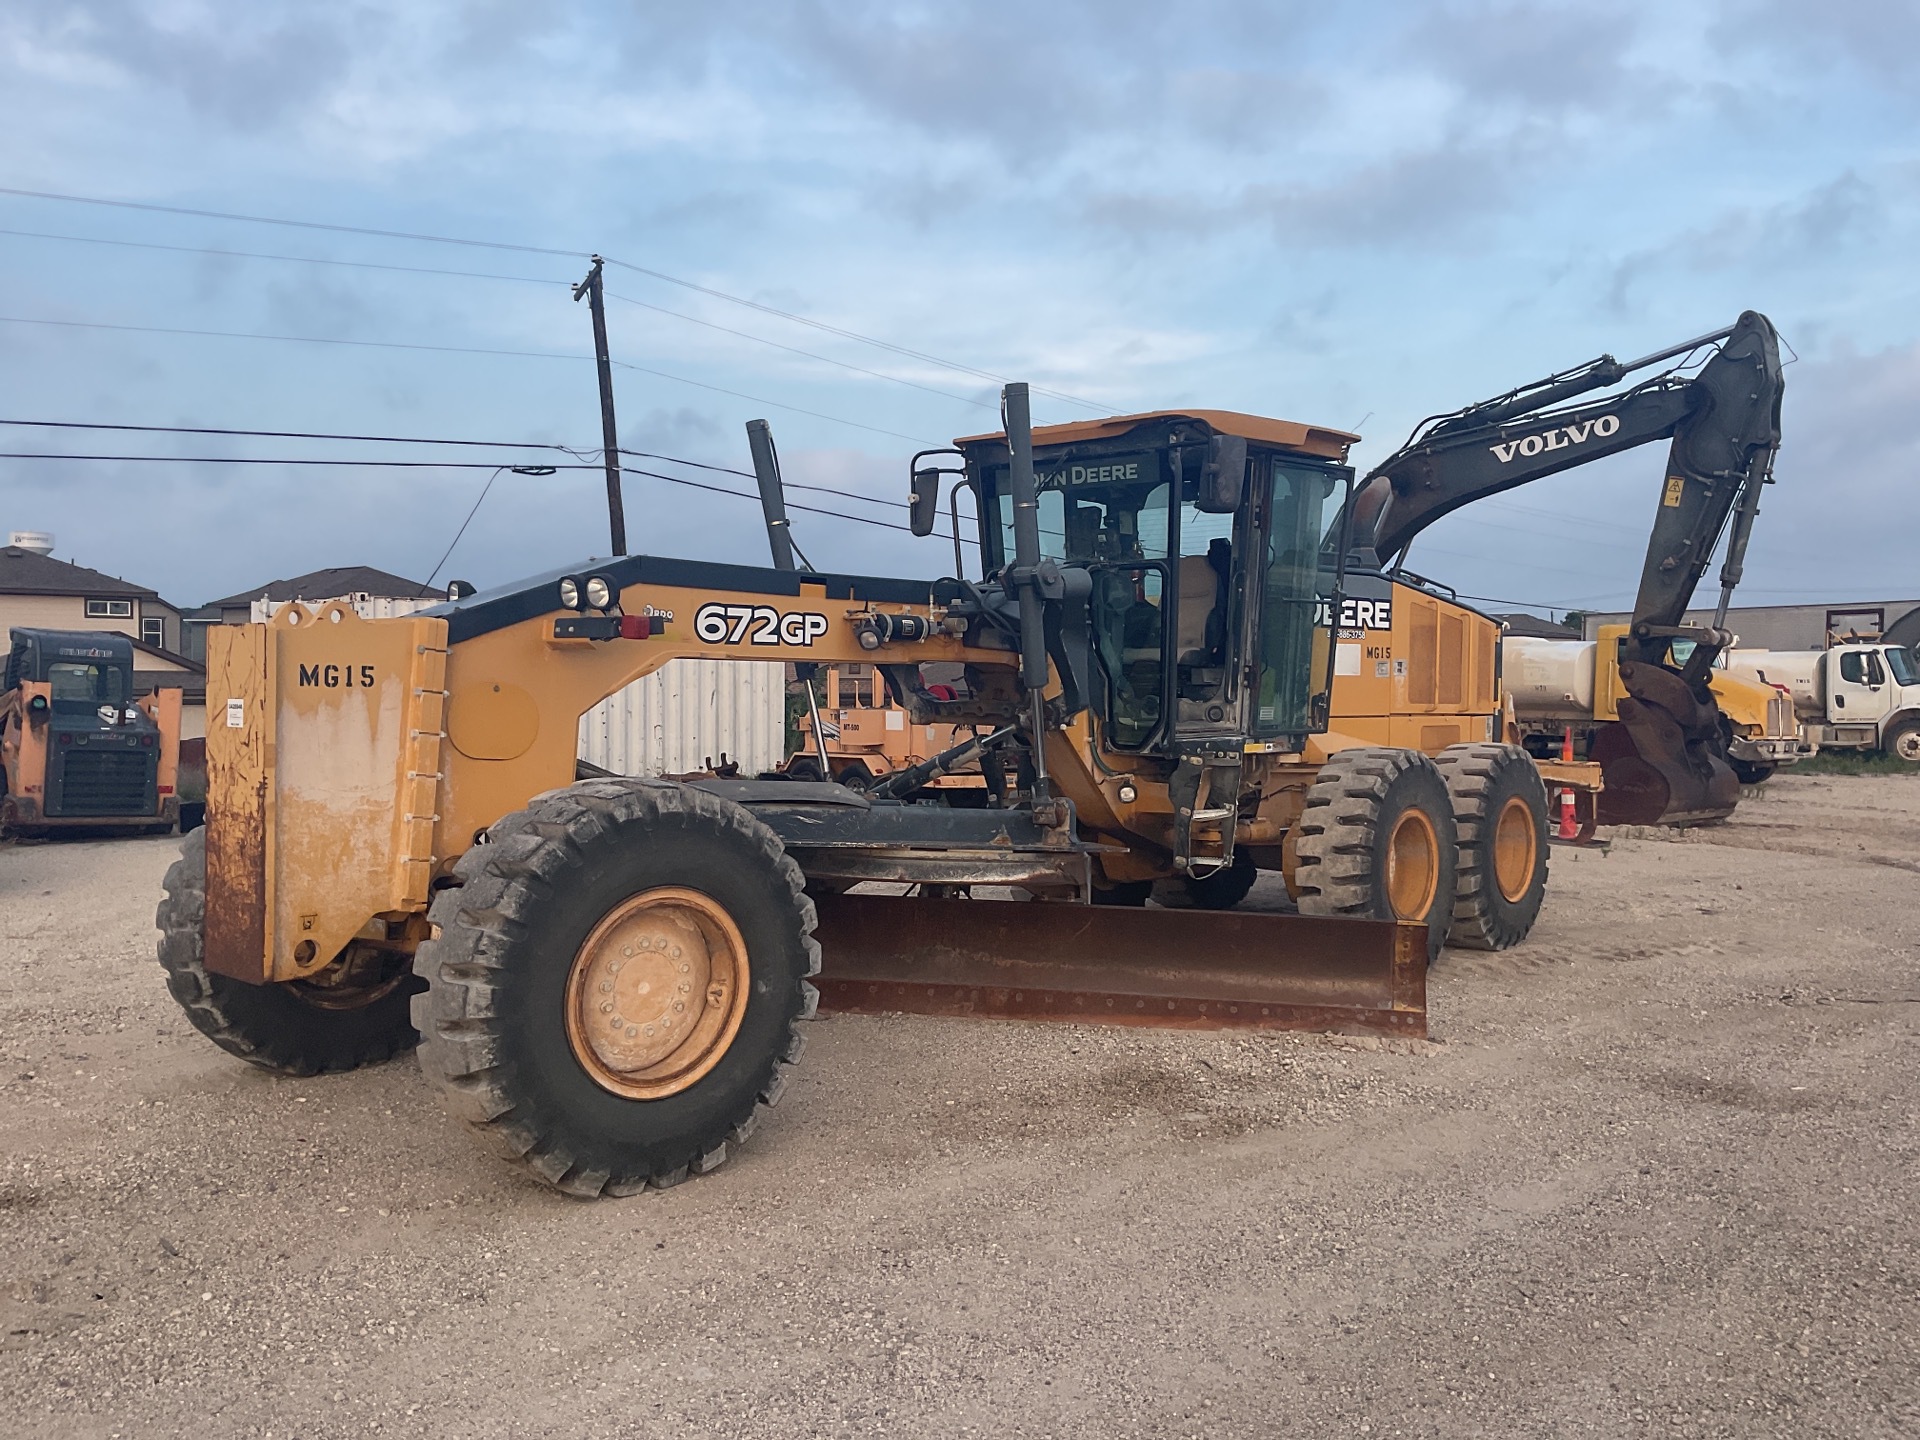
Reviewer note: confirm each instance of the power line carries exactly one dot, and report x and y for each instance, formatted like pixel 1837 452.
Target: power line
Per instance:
pixel 468 465
pixel 777 404
pixel 482 275
pixel 822 325
pixel 314 435
pixel 296 259
pixel 743 495
pixel 453 350
pixel 544 250
pixel 578 453
pixel 294 339
pixel 293 224
pixel 808 354
pixel 269 460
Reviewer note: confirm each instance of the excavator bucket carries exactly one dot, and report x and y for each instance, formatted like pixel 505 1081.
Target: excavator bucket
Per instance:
pixel 1180 969
pixel 1660 760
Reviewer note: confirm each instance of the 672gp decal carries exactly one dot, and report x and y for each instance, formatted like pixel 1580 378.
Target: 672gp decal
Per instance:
pixel 717 624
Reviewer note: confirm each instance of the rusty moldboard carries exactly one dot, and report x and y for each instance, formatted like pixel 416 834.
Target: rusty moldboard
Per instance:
pixel 1179 969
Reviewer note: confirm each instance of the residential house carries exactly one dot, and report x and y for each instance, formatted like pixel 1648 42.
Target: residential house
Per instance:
pixel 38 590
pixel 356 582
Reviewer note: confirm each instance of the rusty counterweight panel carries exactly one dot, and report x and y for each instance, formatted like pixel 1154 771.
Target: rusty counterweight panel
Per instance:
pixel 318 722
pixel 1183 969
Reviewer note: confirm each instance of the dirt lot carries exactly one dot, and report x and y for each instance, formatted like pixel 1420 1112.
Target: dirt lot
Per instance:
pixel 1655 1176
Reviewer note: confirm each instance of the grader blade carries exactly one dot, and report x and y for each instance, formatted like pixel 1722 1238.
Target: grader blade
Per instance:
pixel 1180 969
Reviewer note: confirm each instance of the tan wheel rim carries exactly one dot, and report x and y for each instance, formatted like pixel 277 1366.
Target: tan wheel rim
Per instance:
pixel 1413 866
pixel 657 993
pixel 1515 848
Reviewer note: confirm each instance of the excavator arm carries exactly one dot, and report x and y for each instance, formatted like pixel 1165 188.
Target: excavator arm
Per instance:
pixel 1724 424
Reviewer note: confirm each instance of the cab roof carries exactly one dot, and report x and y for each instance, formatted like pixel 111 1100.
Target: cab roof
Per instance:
pixel 1285 434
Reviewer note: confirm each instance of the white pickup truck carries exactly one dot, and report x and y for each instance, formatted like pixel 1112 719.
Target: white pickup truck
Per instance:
pixel 1856 695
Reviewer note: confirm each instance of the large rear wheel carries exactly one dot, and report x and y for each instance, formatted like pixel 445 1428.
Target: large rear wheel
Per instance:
pixel 1377 839
pixel 1500 810
pixel 613 986
pixel 353 1013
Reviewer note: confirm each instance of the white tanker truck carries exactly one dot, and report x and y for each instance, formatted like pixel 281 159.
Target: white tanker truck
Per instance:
pixel 1857 695
pixel 1561 685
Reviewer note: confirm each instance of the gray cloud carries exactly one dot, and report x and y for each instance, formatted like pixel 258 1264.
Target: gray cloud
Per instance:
pixel 246 66
pixel 1815 228
pixel 1877 39
pixel 1545 57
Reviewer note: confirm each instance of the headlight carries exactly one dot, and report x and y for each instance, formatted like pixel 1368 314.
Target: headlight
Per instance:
pixel 599 592
pixel 570 592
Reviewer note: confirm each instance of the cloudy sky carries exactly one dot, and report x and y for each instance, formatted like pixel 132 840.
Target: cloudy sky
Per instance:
pixel 1354 215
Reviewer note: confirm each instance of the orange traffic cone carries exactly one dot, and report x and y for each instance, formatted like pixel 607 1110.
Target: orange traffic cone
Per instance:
pixel 1569 819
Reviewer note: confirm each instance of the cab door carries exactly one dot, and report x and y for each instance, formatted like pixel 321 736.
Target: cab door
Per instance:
pixel 1860 689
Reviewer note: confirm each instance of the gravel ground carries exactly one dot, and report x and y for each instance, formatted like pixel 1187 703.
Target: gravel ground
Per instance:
pixel 1653 1176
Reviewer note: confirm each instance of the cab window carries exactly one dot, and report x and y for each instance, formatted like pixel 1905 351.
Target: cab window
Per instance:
pixel 89 685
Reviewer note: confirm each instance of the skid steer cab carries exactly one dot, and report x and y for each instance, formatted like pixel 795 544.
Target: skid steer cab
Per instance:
pixel 78 751
pixel 607 975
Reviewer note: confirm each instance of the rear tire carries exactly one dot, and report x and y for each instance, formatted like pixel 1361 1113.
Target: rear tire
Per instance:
pixel 527 962
pixel 273 1026
pixel 1500 810
pixel 1222 890
pixel 1378 840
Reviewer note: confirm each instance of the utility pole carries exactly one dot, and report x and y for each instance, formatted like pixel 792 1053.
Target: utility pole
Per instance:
pixel 609 435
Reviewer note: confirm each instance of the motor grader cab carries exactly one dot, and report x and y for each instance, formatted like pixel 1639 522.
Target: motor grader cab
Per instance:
pixel 77 749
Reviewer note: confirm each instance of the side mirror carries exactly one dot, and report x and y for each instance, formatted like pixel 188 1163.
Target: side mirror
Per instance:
pixel 924 501
pixel 1223 480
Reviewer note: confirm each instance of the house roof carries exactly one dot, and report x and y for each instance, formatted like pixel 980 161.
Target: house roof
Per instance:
pixel 326 585
pixel 1521 623
pixel 27 572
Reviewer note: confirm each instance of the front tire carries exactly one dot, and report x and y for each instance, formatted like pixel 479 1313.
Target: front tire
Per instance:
pixel 295 1028
pixel 1903 742
pixel 1378 840
pixel 1500 810
pixel 614 986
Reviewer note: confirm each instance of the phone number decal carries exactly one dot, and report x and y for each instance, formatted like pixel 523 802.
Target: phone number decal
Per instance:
pixel 716 624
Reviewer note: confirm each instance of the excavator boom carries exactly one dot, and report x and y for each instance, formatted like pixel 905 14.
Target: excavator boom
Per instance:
pixel 1662 758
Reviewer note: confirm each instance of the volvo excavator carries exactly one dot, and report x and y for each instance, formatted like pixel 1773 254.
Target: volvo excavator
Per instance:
pixel 605 975
pixel 1665 758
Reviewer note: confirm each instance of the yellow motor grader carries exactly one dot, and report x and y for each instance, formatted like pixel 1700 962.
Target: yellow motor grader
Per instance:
pixel 605 975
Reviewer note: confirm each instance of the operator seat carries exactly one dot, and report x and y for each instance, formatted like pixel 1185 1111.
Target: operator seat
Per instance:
pixel 1200 639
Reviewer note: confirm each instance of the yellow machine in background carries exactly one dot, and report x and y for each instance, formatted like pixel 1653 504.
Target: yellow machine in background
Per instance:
pixel 1572 685
pixel 77 750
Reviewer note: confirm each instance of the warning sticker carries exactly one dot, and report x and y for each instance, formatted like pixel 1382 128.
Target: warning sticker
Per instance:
pixel 236 714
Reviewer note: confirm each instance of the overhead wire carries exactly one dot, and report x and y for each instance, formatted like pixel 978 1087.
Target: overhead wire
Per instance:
pixel 293 259
pixel 485 275
pixel 794 350
pixel 455 350
pixel 661 275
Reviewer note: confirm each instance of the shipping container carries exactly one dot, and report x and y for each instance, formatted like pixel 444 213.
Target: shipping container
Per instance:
pixel 686 715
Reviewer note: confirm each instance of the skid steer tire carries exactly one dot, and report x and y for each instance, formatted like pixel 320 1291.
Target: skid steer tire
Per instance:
pixel 1378 840
pixel 1222 890
pixel 271 1026
pixel 1500 810
pixel 524 969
